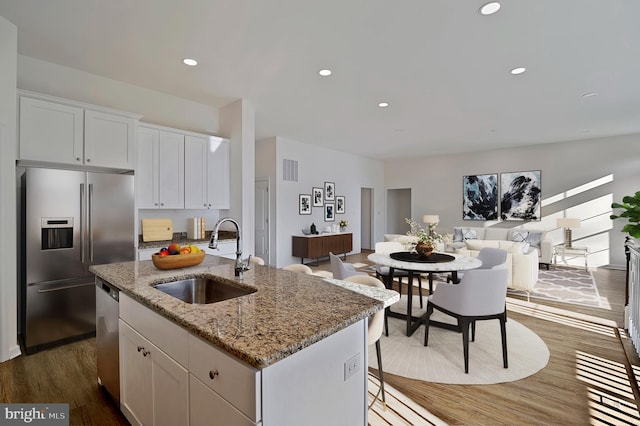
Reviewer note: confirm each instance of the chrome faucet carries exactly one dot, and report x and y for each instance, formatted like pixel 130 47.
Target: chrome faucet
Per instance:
pixel 213 243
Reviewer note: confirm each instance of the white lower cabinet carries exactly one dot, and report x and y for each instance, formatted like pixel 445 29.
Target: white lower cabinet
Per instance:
pixel 169 376
pixel 207 408
pixel 155 388
pixel 231 380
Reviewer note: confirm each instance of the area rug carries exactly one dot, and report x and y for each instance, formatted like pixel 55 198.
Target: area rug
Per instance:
pixel 443 361
pixel 568 285
pixel 400 410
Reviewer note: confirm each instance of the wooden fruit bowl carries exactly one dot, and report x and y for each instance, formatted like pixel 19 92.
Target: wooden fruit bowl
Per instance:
pixel 177 260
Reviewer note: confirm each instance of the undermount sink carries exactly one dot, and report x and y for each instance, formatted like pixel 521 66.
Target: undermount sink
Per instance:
pixel 203 290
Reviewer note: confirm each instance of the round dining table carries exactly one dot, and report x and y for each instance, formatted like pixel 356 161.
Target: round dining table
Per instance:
pixel 414 265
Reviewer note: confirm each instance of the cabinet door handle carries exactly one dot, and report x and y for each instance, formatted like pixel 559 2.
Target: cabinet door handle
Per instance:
pixel 145 352
pixel 77 158
pixel 140 348
pixel 213 374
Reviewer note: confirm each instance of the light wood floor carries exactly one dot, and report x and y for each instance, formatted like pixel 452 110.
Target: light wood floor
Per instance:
pixel 585 382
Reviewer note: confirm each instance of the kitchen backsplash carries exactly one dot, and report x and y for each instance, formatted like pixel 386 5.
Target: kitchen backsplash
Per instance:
pixel 181 237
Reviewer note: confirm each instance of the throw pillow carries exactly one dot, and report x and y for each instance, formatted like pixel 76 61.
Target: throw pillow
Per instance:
pixel 457 236
pixel 534 239
pixel 520 236
pixel 469 234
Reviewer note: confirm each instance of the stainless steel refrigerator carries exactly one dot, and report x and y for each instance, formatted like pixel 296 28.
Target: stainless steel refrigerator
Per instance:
pixel 70 220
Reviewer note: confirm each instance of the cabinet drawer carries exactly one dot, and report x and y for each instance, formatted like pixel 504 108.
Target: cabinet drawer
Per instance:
pixel 166 335
pixel 207 408
pixel 236 382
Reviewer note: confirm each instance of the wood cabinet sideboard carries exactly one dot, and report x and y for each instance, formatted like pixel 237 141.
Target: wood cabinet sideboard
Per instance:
pixel 317 246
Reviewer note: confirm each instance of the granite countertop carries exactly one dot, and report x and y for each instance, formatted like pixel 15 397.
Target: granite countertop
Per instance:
pixel 181 238
pixel 288 312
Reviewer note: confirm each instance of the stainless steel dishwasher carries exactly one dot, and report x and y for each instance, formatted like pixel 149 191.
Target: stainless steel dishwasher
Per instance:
pixel 107 346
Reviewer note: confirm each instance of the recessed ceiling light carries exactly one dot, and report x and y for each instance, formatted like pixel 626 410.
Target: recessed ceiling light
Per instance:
pixel 518 70
pixel 590 95
pixel 190 62
pixel 324 73
pixel 490 8
pixel 383 104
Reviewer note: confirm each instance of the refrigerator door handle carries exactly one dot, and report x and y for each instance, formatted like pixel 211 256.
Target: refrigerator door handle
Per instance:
pixel 82 222
pixel 90 223
pixel 67 287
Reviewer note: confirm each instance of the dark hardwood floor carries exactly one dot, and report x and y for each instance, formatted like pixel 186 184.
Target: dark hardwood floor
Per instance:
pixel 587 379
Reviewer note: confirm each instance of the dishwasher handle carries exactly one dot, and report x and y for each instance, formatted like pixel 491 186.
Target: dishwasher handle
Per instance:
pixel 108 288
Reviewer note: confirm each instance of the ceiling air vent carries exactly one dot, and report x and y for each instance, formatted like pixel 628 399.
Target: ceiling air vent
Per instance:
pixel 290 170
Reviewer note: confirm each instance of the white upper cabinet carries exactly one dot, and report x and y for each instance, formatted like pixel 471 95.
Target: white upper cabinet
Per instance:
pixel 54 130
pixel 206 172
pixel 51 132
pixel 160 171
pixel 109 140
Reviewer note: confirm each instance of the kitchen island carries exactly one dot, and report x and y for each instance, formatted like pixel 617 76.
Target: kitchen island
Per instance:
pixel 299 339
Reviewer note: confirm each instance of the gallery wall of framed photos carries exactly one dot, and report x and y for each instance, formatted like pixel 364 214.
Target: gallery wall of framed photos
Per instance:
pixel 515 196
pixel 325 198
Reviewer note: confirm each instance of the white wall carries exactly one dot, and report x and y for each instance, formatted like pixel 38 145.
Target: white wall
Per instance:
pixel 8 274
pixel 315 167
pixel 155 107
pixel 579 179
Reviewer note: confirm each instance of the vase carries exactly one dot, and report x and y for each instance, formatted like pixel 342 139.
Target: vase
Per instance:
pixel 343 228
pixel 424 250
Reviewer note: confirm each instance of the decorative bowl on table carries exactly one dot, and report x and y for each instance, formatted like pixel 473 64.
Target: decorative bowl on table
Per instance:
pixel 306 231
pixel 177 260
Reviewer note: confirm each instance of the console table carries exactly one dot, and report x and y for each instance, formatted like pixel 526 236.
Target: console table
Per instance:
pixel 317 246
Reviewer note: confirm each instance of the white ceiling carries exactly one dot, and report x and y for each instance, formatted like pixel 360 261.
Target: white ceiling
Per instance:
pixel 442 66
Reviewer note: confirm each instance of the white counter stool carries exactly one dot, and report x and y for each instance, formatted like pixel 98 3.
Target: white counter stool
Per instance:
pixel 298 267
pixel 376 325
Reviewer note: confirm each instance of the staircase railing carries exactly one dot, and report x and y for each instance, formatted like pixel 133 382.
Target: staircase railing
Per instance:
pixel 633 288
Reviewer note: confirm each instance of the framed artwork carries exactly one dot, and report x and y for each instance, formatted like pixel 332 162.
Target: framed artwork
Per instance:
pixel 329 212
pixel 317 194
pixel 480 197
pixel 304 204
pixel 329 191
pixel 520 195
pixel 340 208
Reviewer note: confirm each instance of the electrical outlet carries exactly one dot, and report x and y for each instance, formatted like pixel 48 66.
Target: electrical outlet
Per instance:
pixel 351 366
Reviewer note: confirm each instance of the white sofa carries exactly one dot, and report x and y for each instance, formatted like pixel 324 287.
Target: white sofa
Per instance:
pixel 534 237
pixel 522 258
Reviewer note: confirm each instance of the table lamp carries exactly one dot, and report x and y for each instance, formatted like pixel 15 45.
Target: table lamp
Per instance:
pixel 431 218
pixel 567 223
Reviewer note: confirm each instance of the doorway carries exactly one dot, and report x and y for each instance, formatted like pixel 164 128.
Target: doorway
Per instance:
pixel 398 209
pixel 366 218
pixel 262 220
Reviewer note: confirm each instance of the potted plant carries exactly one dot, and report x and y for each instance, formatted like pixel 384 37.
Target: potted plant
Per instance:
pixel 426 239
pixel 631 206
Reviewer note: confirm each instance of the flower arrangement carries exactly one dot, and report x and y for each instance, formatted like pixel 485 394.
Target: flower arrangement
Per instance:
pixel 344 223
pixel 428 236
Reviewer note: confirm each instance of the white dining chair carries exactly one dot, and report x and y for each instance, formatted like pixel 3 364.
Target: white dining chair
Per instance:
pixel 342 270
pixel 480 295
